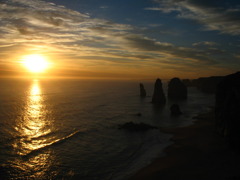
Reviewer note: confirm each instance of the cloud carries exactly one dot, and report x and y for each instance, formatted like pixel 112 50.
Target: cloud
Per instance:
pixel 205 43
pixel 157 29
pixel 223 18
pixel 39 21
pixel 104 7
pixel 38 26
pixel 166 49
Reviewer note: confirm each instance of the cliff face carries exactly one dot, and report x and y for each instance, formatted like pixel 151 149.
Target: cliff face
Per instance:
pixel 158 94
pixel 207 84
pixel 227 110
pixel 177 89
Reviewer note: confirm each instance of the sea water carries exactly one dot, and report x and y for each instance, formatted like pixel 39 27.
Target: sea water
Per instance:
pixel 68 129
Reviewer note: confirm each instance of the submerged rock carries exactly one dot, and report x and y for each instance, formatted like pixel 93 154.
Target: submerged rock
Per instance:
pixel 132 127
pixel 175 110
pixel 142 91
pixel 138 114
pixel 227 109
pixel 158 94
pixel 177 90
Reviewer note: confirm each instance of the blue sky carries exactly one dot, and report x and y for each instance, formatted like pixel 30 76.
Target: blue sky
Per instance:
pixel 127 38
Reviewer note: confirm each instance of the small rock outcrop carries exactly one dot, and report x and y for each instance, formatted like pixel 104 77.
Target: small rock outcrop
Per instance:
pixel 227 109
pixel 136 127
pixel 142 91
pixel 175 110
pixel 158 97
pixel 177 90
pixel 139 114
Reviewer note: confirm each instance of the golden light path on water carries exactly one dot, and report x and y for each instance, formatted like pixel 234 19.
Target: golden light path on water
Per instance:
pixel 34 125
pixel 33 128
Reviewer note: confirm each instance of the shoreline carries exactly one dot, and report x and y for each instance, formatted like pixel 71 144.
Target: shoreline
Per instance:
pixel 197 153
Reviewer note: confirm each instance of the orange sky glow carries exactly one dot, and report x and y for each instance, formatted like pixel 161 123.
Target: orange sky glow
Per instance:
pixel 77 44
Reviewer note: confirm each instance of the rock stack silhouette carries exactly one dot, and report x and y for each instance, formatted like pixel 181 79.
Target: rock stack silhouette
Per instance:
pixel 177 90
pixel 158 97
pixel 142 91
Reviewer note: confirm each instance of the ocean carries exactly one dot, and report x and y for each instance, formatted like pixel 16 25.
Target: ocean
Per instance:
pixel 69 129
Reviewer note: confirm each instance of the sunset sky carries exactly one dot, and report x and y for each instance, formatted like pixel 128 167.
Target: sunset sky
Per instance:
pixel 121 38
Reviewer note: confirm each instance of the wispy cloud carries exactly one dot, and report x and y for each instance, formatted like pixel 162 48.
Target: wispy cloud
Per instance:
pixel 205 43
pixel 31 25
pixel 208 13
pixel 46 23
pixel 104 7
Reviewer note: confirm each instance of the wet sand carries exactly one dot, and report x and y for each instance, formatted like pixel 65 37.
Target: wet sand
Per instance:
pixel 198 153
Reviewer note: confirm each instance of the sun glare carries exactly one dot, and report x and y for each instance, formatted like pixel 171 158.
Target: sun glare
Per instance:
pixel 35 63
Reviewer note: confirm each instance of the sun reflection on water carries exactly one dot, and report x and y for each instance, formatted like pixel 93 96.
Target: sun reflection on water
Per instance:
pixel 34 125
pixel 33 132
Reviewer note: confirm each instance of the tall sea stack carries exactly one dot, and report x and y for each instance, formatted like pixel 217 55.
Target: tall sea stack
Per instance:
pixel 142 91
pixel 158 94
pixel 227 109
pixel 177 90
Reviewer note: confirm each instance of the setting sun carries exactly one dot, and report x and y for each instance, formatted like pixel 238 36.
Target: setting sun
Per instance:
pixel 35 63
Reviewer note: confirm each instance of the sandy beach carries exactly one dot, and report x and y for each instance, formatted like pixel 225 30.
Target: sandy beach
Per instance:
pixel 198 153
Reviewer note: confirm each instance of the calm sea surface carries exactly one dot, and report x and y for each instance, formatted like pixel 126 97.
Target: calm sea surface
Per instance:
pixel 68 129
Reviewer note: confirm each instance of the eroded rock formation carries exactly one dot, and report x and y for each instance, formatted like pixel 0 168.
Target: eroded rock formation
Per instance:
pixel 142 91
pixel 158 97
pixel 177 90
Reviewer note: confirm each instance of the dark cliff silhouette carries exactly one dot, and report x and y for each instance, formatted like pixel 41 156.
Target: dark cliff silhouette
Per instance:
pixel 142 91
pixel 207 84
pixel 158 97
pixel 227 109
pixel 177 89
